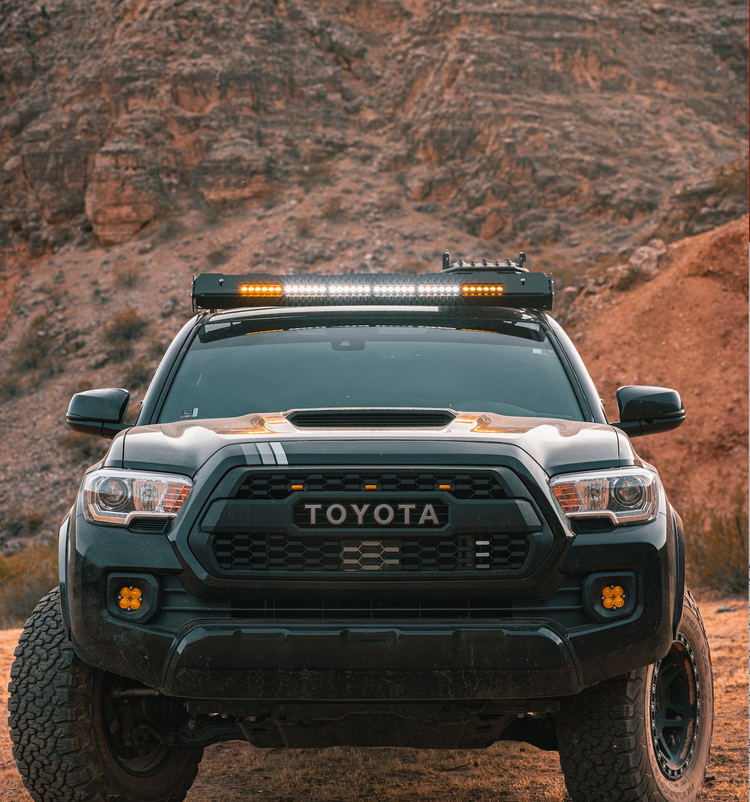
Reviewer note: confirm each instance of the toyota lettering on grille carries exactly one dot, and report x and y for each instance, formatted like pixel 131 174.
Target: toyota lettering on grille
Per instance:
pixel 367 514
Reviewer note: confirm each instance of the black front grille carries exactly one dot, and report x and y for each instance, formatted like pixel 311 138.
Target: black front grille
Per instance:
pixel 278 485
pixel 261 551
pixel 370 418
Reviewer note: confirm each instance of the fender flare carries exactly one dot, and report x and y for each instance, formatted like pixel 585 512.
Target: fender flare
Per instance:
pixel 679 536
pixel 62 567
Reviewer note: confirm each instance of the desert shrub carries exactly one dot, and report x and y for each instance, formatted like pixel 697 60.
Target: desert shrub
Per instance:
pixel 156 350
pixel 334 208
pixel 22 523
pixel 125 326
pixel 82 447
pixel 716 546
pixel 315 174
pixel 34 351
pixel 10 386
pixel 217 257
pixel 170 229
pixel 126 274
pixel 304 226
pixel 732 178
pixel 412 264
pixel 269 194
pixel 24 578
pixel 389 205
pixel 140 373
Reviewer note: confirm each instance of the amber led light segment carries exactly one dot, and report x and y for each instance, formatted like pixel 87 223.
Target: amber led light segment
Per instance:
pixel 130 598
pixel 613 597
pixel 261 290
pixel 482 290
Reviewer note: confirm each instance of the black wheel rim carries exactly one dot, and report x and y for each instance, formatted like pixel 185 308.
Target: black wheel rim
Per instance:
pixel 675 706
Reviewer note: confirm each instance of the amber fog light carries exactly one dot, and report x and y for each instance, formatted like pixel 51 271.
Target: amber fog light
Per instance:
pixel 613 597
pixel 608 596
pixel 130 598
pixel 133 597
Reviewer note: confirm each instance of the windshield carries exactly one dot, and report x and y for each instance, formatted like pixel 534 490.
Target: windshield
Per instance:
pixel 507 367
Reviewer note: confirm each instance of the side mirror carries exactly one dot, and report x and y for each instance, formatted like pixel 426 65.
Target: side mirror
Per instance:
pixel 99 412
pixel 648 410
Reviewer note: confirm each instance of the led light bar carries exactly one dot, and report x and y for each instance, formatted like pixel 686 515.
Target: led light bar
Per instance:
pixel 482 287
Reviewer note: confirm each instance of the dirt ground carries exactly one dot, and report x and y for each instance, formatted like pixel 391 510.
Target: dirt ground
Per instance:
pixel 510 772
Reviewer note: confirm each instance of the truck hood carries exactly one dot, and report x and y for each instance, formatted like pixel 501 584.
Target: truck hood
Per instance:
pixel 555 445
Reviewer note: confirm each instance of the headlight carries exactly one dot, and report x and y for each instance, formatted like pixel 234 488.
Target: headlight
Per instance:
pixel 114 497
pixel 627 495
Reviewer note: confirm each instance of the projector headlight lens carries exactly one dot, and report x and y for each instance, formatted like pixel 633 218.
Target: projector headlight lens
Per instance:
pixel 114 497
pixel 627 495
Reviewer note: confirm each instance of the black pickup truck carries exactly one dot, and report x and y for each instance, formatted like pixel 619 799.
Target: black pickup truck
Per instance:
pixel 367 510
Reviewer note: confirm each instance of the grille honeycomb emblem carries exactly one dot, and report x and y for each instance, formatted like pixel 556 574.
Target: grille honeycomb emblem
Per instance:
pixel 370 555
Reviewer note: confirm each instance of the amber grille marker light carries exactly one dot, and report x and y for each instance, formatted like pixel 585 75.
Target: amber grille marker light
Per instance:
pixel 613 596
pixel 371 487
pixel 130 598
pixel 298 487
pixel 444 487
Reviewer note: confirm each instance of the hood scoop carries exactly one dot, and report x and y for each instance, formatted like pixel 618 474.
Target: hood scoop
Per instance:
pixel 370 418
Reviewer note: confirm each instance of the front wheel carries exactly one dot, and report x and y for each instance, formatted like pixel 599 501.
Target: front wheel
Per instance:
pixel 646 736
pixel 72 737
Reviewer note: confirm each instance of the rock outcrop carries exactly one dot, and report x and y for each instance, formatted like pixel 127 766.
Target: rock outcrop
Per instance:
pixel 232 171
pixel 545 124
pixel 124 192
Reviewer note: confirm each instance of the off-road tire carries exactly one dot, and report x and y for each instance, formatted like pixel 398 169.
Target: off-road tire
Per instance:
pixel 607 747
pixel 58 739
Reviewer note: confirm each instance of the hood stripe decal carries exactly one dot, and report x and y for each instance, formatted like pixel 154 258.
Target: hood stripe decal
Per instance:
pixel 266 454
pixel 280 453
pixel 251 453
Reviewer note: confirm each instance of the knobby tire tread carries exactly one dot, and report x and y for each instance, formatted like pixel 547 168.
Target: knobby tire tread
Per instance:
pixel 598 733
pixel 50 716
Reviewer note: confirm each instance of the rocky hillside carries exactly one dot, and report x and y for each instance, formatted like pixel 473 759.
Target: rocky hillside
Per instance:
pixel 572 127
pixel 146 140
pixel 682 324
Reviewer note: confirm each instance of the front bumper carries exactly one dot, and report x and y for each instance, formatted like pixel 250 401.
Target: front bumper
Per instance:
pixel 528 654
pixel 505 659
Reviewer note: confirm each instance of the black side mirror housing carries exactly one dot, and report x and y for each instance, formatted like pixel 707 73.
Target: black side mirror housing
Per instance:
pixel 648 410
pixel 98 412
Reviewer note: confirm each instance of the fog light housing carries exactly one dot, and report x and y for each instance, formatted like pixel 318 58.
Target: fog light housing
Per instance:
pixel 609 596
pixel 132 597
